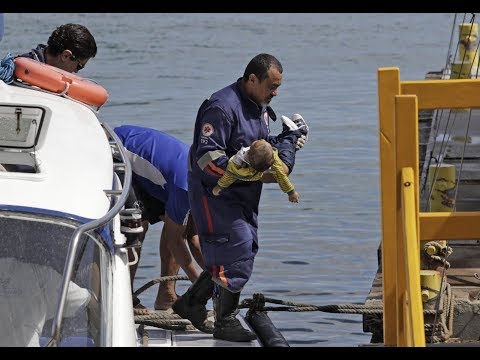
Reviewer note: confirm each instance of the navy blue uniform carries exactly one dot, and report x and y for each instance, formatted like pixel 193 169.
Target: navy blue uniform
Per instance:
pixel 159 167
pixel 227 224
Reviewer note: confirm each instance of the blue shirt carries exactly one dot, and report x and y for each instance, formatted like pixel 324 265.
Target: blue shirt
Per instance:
pixel 159 166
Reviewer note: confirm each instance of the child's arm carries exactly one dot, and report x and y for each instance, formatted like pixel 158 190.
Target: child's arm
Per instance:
pixel 269 175
pixel 237 169
pixel 228 177
pixel 282 178
pixel 225 181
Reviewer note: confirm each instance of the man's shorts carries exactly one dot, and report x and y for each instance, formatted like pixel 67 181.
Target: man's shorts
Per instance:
pixel 151 207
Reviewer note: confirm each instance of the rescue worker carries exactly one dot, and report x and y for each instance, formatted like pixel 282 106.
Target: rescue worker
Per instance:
pixel 232 118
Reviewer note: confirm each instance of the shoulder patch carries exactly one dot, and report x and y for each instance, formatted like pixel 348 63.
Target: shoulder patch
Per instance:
pixel 207 129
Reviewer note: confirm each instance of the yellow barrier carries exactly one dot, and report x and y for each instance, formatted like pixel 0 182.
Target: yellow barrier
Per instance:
pixel 413 333
pixel 399 103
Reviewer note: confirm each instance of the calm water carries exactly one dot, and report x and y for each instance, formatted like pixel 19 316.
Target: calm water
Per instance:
pixel 158 68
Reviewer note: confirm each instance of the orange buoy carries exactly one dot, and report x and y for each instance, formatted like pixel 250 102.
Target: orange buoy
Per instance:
pixel 59 81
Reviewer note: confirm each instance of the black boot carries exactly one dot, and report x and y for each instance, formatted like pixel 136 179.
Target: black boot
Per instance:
pixel 227 326
pixel 191 305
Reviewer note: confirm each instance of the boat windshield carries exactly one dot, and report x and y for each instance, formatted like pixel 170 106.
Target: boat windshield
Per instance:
pixel 33 250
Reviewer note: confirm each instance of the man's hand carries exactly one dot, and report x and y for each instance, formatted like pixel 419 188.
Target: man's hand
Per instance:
pixel 297 123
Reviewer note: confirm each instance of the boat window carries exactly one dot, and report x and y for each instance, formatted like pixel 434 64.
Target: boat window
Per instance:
pixel 20 126
pixel 19 131
pixel 85 328
pixel 33 249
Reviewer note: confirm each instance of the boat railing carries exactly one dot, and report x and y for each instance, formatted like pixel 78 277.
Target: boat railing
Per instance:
pixel 82 229
pixel 404 227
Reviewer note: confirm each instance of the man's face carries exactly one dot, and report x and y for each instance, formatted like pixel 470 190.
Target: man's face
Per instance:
pixel 264 91
pixel 74 64
pixel 68 61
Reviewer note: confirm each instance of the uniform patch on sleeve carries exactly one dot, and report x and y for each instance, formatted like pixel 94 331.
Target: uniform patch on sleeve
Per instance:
pixel 207 129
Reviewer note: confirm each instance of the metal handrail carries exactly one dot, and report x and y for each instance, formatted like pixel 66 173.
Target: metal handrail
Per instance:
pixel 74 239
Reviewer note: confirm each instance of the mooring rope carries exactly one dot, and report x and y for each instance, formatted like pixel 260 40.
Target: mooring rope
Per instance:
pixel 159 318
pixel 165 320
pixel 162 279
pixel 170 320
pixel 257 303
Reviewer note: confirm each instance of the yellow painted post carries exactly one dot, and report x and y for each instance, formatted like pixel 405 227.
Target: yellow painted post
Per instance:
pixel 430 280
pixel 431 285
pixel 414 322
pixel 461 70
pixel 406 132
pixel 388 87
pixel 468 43
pixel 442 183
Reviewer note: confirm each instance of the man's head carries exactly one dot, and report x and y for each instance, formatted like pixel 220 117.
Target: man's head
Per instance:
pixel 70 46
pixel 262 78
pixel 260 155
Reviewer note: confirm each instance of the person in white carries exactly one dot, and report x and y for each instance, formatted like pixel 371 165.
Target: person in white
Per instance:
pixel 28 297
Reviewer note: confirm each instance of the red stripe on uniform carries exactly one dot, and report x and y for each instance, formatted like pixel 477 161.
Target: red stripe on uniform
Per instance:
pixel 210 171
pixel 208 216
pixel 213 169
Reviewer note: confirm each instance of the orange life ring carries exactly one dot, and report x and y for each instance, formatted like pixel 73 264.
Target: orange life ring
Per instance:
pixel 59 81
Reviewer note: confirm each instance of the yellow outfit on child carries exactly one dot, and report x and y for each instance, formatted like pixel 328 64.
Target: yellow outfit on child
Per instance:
pixel 249 174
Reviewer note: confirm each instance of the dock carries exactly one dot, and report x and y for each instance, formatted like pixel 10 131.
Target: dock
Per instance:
pixel 186 336
pixel 456 135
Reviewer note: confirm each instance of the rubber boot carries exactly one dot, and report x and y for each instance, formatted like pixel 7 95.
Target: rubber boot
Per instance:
pixel 227 326
pixel 191 305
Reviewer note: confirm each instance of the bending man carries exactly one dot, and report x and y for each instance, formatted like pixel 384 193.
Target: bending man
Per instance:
pixel 159 181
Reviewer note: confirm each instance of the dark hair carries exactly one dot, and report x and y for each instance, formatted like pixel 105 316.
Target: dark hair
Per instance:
pixel 73 37
pixel 260 65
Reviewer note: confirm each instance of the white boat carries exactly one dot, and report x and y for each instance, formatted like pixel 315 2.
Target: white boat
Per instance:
pixel 60 200
pixel 62 213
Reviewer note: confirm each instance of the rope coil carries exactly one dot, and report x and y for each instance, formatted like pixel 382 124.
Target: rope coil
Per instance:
pixel 7 68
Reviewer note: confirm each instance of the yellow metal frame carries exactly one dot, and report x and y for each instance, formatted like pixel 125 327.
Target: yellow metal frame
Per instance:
pixel 403 225
pixel 413 333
